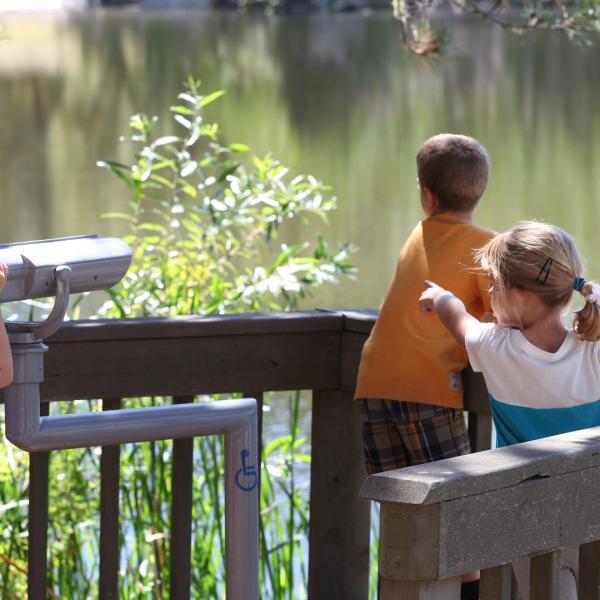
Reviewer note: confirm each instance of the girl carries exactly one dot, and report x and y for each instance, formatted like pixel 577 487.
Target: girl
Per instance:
pixel 543 378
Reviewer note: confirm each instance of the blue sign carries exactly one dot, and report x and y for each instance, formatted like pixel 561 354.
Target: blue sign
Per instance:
pixel 246 478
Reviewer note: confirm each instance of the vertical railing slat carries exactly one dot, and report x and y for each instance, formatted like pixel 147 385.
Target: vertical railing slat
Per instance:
pixel 181 514
pixel 37 567
pixel 110 473
pixel 589 571
pixel 339 519
pixel 496 583
pixel 447 589
pixel 545 576
pixel 480 432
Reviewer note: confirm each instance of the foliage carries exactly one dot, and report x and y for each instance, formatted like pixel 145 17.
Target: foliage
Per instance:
pixel 204 228
pixel 204 225
pixel 579 19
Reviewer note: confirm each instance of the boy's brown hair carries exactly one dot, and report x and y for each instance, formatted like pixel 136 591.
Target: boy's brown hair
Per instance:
pixel 455 168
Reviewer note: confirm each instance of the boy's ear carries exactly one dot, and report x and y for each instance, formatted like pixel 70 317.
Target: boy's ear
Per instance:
pixel 429 201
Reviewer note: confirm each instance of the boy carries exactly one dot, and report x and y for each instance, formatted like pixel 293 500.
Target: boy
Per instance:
pixel 409 386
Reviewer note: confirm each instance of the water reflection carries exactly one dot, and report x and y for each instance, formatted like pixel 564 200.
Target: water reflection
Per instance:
pixel 333 95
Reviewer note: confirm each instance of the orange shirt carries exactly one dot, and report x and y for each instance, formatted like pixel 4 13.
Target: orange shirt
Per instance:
pixel 409 355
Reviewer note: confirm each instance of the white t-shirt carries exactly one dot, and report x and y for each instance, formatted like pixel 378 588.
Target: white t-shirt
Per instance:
pixel 534 393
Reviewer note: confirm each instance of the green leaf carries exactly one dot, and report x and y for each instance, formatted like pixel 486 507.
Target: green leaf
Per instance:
pixel 228 171
pixel 182 110
pixel 210 98
pixel 118 215
pixel 239 147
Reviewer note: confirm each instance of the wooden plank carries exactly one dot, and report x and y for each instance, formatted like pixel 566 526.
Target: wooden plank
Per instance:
pixel 409 541
pixel 475 392
pixel 480 432
pixel 544 515
pixel 339 519
pixel 545 576
pixel 198 326
pixel 496 583
pixel 486 471
pixel 110 471
pixel 352 344
pixel 125 368
pixel 181 514
pixel 589 571
pixel 448 589
pixel 37 565
pixel 359 320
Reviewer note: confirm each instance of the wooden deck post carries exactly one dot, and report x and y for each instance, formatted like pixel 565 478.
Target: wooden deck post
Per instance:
pixel 339 519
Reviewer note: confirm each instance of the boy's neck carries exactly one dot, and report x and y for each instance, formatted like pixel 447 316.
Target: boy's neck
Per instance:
pixel 464 216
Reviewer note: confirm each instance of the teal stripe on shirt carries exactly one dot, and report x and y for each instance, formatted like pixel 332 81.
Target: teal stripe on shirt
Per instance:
pixel 516 424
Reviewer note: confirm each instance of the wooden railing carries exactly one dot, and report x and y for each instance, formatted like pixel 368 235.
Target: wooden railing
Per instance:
pixel 483 511
pixel 253 353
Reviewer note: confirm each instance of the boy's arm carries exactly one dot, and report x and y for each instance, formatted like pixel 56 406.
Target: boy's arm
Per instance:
pixel 6 363
pixel 451 311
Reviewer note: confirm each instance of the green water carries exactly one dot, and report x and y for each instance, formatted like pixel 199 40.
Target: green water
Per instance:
pixel 332 95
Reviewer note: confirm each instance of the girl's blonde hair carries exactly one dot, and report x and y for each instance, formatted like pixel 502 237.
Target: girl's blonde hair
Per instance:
pixel 541 258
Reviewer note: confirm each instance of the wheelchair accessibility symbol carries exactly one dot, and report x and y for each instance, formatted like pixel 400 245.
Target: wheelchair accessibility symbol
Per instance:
pixel 246 478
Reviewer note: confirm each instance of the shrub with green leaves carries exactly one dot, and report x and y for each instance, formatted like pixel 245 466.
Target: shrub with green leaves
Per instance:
pixel 205 218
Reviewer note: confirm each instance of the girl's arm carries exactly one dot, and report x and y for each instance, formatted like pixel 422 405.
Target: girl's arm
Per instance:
pixel 451 311
pixel 6 363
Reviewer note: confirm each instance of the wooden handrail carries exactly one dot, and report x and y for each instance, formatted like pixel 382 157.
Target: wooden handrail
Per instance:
pixel 479 511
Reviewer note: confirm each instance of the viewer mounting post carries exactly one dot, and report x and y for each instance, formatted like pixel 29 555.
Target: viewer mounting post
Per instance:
pixel 59 267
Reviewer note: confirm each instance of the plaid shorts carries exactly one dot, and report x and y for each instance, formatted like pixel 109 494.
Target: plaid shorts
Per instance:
pixel 400 434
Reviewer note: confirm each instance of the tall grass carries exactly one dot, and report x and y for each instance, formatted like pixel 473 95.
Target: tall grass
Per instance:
pixel 204 222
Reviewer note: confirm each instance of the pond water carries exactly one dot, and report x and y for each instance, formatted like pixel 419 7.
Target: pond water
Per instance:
pixel 331 95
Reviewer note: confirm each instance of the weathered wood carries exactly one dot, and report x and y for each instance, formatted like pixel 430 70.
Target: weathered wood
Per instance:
pixel 409 541
pixel 339 523
pixel 475 392
pixel 198 326
pixel 545 576
pixel 449 589
pixel 486 471
pixel 480 432
pixel 540 506
pixel 352 344
pixel 359 320
pixel 122 368
pixel 181 514
pixel 496 583
pixel 37 577
pixel 589 571
pixel 109 515
pixel 476 402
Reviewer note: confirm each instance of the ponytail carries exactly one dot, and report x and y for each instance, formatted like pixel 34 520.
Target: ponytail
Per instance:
pixel 586 322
